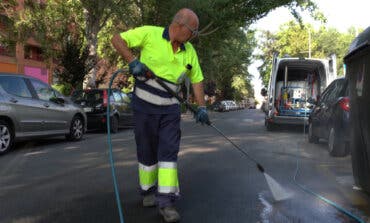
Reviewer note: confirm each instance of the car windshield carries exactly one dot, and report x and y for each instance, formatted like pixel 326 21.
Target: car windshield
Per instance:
pixel 90 97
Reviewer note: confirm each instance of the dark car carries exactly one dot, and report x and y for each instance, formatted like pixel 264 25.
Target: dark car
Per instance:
pixel 31 108
pixel 95 102
pixel 357 63
pixel 330 118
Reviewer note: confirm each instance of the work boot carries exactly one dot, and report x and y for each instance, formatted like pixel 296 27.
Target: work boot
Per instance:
pixel 169 214
pixel 149 200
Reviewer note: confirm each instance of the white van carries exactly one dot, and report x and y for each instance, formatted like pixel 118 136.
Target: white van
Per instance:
pixel 295 85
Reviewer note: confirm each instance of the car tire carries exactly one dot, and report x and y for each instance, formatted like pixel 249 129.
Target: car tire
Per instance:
pixel 336 146
pixel 6 137
pixel 269 126
pixel 114 124
pixel 76 130
pixel 312 138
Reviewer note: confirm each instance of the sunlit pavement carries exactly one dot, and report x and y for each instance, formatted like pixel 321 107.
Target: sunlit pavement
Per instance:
pixel 57 181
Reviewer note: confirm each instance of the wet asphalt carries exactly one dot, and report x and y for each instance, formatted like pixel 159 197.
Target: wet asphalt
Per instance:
pixel 52 180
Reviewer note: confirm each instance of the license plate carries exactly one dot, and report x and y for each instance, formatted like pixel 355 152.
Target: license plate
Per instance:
pixel 88 109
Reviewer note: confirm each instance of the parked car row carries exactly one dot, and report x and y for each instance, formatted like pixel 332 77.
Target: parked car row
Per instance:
pixel 226 105
pixel 31 108
pixel 340 114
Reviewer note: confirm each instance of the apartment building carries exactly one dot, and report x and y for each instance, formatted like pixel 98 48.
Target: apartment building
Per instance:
pixel 24 58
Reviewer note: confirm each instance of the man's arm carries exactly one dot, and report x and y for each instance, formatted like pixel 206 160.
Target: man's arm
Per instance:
pixel 199 93
pixel 122 48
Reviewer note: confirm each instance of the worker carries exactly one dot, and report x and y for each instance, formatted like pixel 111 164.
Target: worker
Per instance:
pixel 168 53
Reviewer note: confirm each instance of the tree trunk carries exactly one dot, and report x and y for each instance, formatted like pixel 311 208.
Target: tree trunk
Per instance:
pixel 91 31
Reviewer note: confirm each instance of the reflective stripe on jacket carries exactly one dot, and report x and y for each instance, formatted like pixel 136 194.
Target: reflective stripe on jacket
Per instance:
pixel 151 92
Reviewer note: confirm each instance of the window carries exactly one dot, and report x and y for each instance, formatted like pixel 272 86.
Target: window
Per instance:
pixel 326 94
pixel 33 53
pixel 335 90
pixel 15 86
pixel 7 49
pixel 43 91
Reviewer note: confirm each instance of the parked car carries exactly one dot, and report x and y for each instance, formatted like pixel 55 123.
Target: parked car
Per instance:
pixel 31 108
pixel 232 105
pixel 95 102
pixel 357 63
pixel 250 103
pixel 330 118
pixel 217 106
pixel 292 82
pixel 225 105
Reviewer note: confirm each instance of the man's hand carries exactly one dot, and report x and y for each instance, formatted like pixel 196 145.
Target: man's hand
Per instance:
pixel 202 116
pixel 138 69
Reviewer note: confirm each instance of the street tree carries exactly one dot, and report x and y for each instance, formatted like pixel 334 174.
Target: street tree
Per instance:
pixel 224 46
pixel 302 40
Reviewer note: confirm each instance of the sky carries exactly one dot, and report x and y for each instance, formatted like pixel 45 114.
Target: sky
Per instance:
pixel 340 14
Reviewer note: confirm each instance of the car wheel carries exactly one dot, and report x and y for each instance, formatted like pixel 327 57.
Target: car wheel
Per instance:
pixel 76 129
pixel 335 145
pixel 6 137
pixel 114 124
pixel 312 138
pixel 269 126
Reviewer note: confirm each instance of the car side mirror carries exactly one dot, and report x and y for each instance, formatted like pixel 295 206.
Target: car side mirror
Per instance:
pixel 57 100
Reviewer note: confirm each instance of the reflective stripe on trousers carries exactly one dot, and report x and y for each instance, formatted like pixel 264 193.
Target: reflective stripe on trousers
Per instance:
pixel 147 176
pixel 165 172
pixel 167 178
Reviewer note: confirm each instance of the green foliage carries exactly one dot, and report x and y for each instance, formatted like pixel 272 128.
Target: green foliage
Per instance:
pixel 73 57
pixel 293 39
pixel 224 49
pixel 65 89
pixel 52 23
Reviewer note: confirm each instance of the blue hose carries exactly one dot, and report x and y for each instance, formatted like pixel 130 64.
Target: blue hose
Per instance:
pixel 118 200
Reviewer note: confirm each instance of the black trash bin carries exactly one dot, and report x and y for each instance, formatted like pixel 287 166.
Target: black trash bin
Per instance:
pixel 357 63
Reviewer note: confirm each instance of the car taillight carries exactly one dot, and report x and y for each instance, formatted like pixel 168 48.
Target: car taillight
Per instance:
pixel 344 103
pixel 105 98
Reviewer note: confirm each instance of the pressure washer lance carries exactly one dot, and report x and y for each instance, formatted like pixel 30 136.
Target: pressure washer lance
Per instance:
pixel 277 191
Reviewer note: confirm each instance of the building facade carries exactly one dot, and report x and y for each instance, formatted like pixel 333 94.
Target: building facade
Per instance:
pixel 24 58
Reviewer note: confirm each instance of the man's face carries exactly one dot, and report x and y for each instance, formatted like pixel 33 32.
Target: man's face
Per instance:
pixel 188 31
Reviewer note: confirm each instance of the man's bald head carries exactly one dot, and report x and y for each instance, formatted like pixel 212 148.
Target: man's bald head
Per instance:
pixel 184 26
pixel 186 16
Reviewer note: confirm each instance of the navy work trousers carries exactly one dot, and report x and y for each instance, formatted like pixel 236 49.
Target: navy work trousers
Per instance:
pixel 157 140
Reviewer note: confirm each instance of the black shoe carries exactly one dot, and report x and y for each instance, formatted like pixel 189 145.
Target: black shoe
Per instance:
pixel 169 214
pixel 149 200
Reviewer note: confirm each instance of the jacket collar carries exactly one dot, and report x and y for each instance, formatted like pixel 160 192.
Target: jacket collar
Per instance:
pixel 166 35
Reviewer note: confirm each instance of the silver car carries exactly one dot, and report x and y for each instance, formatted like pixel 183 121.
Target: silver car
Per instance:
pixel 30 108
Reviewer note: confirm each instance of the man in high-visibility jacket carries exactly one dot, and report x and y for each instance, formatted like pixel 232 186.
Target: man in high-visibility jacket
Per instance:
pixel 168 53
